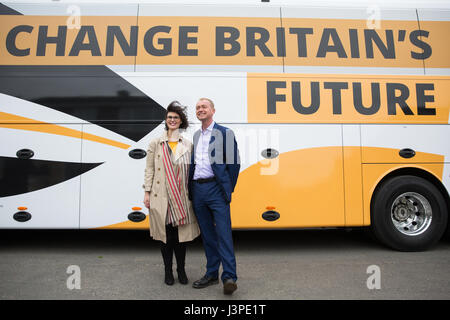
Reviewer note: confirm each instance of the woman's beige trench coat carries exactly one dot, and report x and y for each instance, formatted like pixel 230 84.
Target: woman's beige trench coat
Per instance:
pixel 155 182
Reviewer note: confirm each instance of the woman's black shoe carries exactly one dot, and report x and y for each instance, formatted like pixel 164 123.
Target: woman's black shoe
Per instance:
pixel 182 277
pixel 168 278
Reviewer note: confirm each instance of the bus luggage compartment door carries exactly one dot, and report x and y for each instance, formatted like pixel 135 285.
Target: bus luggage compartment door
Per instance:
pixel 40 170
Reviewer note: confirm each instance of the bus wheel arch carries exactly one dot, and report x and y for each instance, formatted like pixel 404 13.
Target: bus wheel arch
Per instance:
pixel 409 210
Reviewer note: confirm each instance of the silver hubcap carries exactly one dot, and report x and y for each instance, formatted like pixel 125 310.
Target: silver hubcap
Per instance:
pixel 411 213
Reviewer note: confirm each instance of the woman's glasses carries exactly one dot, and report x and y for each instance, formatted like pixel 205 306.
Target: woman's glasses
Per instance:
pixel 173 118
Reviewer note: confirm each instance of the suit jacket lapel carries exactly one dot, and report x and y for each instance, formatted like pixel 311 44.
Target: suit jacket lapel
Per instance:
pixel 211 146
pixel 196 137
pixel 216 145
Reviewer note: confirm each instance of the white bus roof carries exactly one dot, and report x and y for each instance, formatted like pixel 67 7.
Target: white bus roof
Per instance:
pixel 442 4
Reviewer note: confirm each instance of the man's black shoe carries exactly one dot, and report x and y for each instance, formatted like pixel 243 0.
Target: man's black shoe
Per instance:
pixel 229 286
pixel 204 282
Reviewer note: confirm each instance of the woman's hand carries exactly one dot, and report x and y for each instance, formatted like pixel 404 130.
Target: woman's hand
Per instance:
pixel 147 199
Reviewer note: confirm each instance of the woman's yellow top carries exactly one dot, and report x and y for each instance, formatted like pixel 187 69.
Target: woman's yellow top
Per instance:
pixel 173 146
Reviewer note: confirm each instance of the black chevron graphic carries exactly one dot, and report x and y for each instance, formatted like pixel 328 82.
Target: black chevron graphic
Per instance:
pixel 7 10
pixel 92 93
pixel 20 176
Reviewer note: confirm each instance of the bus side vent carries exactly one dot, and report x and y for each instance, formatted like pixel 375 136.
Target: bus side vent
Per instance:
pixel 407 153
pixel 137 154
pixel 136 216
pixel 269 153
pixel 25 154
pixel 22 216
pixel 270 215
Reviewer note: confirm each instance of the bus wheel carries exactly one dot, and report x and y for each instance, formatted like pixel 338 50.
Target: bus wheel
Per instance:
pixel 408 213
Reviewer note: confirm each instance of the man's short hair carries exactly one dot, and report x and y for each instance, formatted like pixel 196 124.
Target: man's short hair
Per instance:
pixel 209 100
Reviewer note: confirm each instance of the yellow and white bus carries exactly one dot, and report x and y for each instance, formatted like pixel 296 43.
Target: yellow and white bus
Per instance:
pixel 341 113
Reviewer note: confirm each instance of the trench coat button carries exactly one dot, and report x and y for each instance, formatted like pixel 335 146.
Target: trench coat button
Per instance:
pixel 157 182
pixel 156 195
pixel 159 169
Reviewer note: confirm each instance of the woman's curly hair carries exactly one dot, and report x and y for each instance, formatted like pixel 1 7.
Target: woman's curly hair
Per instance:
pixel 176 107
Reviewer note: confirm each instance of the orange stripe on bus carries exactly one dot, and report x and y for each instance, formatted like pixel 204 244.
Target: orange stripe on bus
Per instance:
pixel 39 126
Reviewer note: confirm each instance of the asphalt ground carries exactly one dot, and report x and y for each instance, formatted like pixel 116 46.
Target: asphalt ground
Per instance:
pixel 271 265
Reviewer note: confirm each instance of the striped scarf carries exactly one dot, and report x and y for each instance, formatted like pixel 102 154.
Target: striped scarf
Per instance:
pixel 177 213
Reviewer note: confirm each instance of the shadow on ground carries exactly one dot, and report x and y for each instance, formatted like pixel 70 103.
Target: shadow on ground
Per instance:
pixel 305 239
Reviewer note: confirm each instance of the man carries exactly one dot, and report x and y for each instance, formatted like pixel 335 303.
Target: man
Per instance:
pixel 212 177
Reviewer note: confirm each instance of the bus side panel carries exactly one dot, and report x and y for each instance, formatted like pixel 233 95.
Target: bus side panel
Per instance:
pixel 47 185
pixel 110 193
pixel 352 175
pixel 430 143
pixel 304 183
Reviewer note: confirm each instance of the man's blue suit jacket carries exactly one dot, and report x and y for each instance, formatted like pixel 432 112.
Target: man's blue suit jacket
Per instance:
pixel 223 157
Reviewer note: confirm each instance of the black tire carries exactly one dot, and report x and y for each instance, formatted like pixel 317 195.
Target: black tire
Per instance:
pixel 384 213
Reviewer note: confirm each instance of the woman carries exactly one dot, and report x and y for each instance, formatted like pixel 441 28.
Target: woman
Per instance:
pixel 172 219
